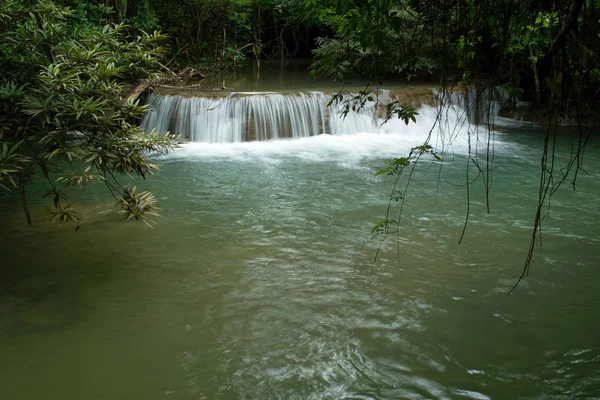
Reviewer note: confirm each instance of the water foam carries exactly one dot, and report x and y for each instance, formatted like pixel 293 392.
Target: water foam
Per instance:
pixel 271 125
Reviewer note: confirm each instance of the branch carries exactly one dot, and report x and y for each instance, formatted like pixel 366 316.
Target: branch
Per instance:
pixel 22 181
pixel 167 69
pixel 569 22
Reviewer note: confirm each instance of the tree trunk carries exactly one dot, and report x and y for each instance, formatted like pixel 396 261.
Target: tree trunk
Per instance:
pixel 536 77
pixel 22 182
pixel 278 35
pixel 568 24
pixel 121 9
pixel 256 27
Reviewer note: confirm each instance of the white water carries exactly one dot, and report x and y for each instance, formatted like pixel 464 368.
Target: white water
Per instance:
pixel 220 128
pixel 269 116
pixel 236 119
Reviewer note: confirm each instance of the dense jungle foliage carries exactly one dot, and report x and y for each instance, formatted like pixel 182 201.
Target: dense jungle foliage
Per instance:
pixel 216 34
pixel 65 64
pixel 542 51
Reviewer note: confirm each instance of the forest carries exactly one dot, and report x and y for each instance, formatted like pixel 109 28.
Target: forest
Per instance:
pixel 299 199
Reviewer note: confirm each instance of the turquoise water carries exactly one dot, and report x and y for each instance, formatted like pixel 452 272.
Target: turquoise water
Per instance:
pixel 257 282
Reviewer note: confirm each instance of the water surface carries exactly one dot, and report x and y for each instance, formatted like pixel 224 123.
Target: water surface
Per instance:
pixel 258 282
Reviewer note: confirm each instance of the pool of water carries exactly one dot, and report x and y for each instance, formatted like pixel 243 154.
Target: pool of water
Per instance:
pixel 284 76
pixel 258 281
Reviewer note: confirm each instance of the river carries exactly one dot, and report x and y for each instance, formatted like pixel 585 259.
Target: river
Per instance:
pixel 258 281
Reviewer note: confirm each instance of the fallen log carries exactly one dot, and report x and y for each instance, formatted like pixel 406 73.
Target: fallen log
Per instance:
pixel 180 86
pixel 188 74
pixel 136 93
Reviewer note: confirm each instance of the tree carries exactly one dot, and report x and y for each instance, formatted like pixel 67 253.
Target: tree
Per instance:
pixel 222 34
pixel 375 39
pixel 61 104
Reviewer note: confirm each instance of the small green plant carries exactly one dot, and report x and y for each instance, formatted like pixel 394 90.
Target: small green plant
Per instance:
pixel 138 205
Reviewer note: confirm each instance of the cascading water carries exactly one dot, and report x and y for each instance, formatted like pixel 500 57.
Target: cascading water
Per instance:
pixel 244 117
pixel 265 116
pixel 481 107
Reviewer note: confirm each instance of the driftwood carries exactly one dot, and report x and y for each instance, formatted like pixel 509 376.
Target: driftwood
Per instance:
pixel 180 86
pixel 224 90
pixel 173 74
pixel 172 79
pixel 186 74
pixel 138 91
pixel 189 73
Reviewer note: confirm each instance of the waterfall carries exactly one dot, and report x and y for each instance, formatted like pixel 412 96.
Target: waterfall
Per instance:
pixel 242 117
pixel 264 116
pixel 484 107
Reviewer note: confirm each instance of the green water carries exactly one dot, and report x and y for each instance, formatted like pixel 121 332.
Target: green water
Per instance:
pixel 282 76
pixel 256 283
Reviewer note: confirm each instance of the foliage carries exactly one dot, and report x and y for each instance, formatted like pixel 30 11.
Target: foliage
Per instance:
pixel 373 39
pixel 64 70
pixel 547 51
pixel 11 162
pixel 217 34
pixel 348 101
pixel 138 205
pixel 396 167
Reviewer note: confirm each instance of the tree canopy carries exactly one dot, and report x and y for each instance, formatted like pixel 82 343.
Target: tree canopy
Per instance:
pixel 64 68
pixel 546 51
pixel 219 34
